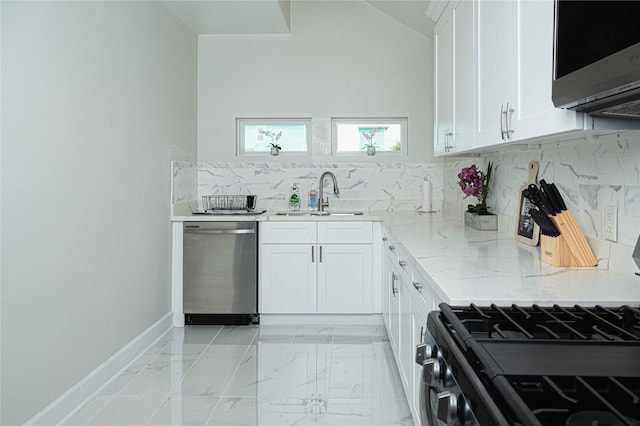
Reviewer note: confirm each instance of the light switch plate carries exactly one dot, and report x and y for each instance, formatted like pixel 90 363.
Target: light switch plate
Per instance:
pixel 611 223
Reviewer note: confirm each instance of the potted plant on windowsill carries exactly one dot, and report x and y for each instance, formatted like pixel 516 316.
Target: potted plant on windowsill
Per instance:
pixel 275 148
pixel 476 183
pixel 370 145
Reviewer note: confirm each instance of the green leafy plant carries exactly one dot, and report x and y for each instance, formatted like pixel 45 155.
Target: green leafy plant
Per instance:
pixel 273 136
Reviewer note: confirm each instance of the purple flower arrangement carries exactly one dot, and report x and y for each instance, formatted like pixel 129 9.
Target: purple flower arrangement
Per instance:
pixel 475 182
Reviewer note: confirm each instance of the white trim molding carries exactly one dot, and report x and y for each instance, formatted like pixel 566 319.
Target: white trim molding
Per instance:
pixel 70 401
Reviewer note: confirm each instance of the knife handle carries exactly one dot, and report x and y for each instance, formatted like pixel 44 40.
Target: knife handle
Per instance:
pixel 557 195
pixel 554 204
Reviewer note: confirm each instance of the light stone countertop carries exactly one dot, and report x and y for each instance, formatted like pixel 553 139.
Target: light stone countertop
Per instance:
pixel 464 265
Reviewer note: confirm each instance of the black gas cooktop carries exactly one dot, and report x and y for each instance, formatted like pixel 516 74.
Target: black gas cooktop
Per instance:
pixel 551 365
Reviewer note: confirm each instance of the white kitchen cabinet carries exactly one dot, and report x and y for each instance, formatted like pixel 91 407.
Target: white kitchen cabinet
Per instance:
pixel 418 328
pixel 494 69
pixel 501 60
pixel 453 92
pixel 534 113
pixel 410 299
pixel 514 70
pixel 443 88
pixel 316 267
pixel 386 279
pixel 288 278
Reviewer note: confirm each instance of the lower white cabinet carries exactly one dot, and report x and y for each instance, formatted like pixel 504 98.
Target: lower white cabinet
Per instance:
pixel 288 279
pixel 407 301
pixel 316 267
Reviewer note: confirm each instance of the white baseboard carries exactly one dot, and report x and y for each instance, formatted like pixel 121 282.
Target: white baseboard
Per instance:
pixel 321 320
pixel 69 401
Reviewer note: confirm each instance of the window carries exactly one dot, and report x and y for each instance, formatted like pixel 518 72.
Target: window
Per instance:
pixel 255 135
pixel 353 135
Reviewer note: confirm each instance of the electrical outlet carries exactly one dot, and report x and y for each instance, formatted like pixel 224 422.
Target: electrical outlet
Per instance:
pixel 611 223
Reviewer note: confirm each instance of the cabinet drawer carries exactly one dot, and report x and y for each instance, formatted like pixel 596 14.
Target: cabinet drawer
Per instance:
pixel 288 232
pixel 345 232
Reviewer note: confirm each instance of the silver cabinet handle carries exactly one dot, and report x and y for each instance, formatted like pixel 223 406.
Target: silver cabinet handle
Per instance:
pixel 402 263
pixel 417 285
pixel 384 238
pixel 394 290
pixel 507 120
pixel 392 248
pixel 502 114
pixel 447 138
pixel 313 251
pixel 320 254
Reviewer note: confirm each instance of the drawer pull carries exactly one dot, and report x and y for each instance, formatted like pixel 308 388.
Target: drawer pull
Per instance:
pixel 417 285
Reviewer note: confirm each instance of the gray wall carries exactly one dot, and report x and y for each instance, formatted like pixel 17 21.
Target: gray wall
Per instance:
pixel 341 59
pixel 97 99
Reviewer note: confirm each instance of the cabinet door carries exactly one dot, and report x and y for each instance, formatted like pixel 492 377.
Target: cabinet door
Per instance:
pixel 406 355
pixel 288 232
pixel 534 114
pixel 394 311
pixel 494 69
pixel 462 23
pixel 419 326
pixel 443 90
pixel 288 278
pixel 345 232
pixel 386 281
pixel 344 278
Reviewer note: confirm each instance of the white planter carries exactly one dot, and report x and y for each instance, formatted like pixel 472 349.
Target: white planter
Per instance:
pixel 275 151
pixel 488 222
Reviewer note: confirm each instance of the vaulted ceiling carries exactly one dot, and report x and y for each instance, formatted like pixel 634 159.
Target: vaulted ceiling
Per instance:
pixel 273 17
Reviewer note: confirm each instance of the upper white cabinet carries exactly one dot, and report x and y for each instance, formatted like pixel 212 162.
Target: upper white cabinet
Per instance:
pixel 443 90
pixel 316 267
pixel 506 50
pixel 494 70
pixel 453 91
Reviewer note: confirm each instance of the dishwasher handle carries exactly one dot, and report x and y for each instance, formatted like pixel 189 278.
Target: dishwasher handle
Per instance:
pixel 196 230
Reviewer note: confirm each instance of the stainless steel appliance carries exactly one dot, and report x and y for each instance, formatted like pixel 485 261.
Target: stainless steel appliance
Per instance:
pixel 220 272
pixel 532 366
pixel 597 57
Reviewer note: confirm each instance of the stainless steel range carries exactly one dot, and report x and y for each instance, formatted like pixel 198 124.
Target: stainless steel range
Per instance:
pixel 531 366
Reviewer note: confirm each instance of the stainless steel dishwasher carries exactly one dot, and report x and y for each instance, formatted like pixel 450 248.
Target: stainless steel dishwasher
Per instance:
pixel 220 273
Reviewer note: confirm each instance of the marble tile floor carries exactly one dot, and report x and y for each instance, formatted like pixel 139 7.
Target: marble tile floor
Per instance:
pixel 256 375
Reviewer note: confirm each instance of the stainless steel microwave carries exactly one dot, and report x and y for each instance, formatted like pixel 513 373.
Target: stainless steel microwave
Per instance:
pixel 596 66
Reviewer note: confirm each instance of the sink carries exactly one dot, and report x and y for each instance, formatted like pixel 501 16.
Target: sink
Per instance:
pixel 322 213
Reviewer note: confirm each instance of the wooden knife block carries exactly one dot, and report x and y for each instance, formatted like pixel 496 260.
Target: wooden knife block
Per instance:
pixel 571 248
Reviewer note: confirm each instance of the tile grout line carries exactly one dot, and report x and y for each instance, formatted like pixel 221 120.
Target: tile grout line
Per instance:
pixel 232 376
pixel 169 396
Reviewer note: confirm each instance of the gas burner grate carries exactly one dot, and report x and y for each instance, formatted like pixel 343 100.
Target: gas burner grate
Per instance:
pixel 580 400
pixel 555 323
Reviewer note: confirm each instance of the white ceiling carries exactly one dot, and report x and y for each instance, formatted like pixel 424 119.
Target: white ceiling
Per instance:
pixel 272 16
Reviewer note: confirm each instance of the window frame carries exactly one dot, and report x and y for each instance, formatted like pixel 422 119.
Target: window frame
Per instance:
pixel 369 121
pixel 242 123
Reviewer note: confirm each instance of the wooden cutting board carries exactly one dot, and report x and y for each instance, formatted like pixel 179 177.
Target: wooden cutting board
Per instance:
pixel 527 231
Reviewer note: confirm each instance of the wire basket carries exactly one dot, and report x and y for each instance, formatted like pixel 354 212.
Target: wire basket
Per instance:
pixel 228 202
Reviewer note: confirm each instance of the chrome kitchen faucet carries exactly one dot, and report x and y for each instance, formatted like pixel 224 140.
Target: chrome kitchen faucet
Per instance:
pixel 322 204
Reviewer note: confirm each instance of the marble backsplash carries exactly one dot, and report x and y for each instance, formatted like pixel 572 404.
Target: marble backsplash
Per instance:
pixel 590 173
pixel 370 186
